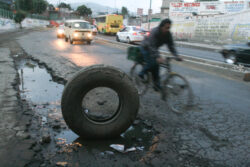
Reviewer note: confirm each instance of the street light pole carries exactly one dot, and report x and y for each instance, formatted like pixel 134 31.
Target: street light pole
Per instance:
pixel 149 14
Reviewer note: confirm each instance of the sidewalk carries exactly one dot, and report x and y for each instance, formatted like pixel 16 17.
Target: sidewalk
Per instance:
pixel 15 142
pixel 7 30
pixel 199 45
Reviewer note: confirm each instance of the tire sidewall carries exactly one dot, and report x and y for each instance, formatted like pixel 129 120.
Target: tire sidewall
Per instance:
pixel 90 78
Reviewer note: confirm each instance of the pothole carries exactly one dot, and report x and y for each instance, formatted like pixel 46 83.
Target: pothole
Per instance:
pixel 43 95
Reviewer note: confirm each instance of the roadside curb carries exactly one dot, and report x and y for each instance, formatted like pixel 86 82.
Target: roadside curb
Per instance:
pixel 18 30
pixel 197 46
pixel 213 66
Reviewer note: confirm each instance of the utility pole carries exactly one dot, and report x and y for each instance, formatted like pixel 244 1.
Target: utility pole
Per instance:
pixel 149 14
pixel 116 8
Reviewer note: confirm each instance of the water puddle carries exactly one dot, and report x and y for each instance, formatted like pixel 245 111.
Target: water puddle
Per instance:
pixel 36 83
pixel 43 94
pixel 137 136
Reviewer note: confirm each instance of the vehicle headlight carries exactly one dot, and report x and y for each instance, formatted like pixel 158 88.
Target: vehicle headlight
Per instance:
pixel 76 34
pixel 89 35
pixel 60 31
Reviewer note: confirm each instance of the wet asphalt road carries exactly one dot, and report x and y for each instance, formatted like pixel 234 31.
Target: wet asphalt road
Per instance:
pixel 187 51
pixel 205 85
pixel 214 133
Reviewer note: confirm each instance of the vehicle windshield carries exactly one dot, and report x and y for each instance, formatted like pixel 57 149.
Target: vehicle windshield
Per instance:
pixel 83 25
pixel 138 29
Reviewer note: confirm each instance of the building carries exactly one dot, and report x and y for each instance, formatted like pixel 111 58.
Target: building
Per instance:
pixel 166 5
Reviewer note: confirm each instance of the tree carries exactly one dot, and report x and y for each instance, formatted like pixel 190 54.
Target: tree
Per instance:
pixel 24 5
pixel 31 6
pixel 39 6
pixel 125 11
pixel 19 17
pixel 64 5
pixel 51 7
pixel 84 11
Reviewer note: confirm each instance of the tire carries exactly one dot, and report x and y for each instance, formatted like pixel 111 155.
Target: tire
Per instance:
pixel 178 92
pixel 89 42
pixel 95 77
pixel 117 38
pixel 128 40
pixel 71 41
pixel 141 85
pixel 66 39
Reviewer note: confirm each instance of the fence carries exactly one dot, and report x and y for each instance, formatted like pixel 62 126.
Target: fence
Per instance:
pixel 6 14
pixel 10 15
pixel 56 17
pixel 36 16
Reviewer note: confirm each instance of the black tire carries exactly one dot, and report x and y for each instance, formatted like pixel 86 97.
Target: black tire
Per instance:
pixel 141 84
pixel 117 38
pixel 178 93
pixel 66 39
pixel 71 41
pixel 95 77
pixel 89 42
pixel 128 40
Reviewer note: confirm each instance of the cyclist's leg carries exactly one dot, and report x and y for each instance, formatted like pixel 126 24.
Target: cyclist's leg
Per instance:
pixel 156 76
pixel 147 61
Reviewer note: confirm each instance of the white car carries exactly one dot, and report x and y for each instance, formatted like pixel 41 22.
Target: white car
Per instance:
pixel 78 30
pixel 131 34
pixel 94 29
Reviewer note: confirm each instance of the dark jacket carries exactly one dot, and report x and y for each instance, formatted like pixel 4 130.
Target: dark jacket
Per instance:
pixel 155 40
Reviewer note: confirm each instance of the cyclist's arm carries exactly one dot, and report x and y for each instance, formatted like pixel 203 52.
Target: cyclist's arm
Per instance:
pixel 171 45
pixel 172 49
pixel 153 47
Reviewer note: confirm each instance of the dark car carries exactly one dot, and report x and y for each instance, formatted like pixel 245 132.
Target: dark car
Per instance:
pixel 237 53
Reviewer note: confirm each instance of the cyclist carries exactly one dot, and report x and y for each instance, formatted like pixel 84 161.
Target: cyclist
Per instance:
pixel 149 48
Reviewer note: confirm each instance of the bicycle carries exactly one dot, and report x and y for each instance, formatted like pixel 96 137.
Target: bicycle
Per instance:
pixel 176 90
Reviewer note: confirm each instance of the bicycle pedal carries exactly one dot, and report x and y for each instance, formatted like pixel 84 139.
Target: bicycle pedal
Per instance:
pixel 163 96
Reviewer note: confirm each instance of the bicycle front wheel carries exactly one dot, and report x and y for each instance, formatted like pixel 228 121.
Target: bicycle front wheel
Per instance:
pixel 140 84
pixel 178 92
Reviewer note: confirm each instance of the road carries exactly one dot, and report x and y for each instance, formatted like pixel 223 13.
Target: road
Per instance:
pixel 214 133
pixel 187 50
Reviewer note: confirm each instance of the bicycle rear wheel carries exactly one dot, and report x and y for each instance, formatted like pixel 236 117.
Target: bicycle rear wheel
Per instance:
pixel 178 92
pixel 140 84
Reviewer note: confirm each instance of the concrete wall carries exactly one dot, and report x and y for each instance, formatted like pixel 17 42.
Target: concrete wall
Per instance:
pixel 232 28
pixel 8 24
pixel 152 25
pixel 223 29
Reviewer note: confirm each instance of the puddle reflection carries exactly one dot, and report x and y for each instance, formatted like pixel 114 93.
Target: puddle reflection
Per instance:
pixel 36 83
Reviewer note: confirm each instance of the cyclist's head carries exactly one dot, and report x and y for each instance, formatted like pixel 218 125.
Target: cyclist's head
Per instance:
pixel 165 25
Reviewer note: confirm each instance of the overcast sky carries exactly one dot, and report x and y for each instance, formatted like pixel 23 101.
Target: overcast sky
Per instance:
pixel 132 5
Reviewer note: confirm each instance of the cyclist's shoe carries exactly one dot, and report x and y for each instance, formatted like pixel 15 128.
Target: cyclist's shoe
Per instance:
pixel 163 95
pixel 157 87
pixel 178 58
pixel 142 79
pixel 141 76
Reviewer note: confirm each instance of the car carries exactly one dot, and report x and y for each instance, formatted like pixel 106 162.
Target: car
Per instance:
pixel 60 32
pixel 94 29
pixel 237 53
pixel 78 30
pixel 131 34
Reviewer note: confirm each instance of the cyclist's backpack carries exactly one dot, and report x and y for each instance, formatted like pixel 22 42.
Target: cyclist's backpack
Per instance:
pixel 134 54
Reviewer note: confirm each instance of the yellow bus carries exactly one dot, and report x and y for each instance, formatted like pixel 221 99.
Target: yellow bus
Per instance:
pixel 109 24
